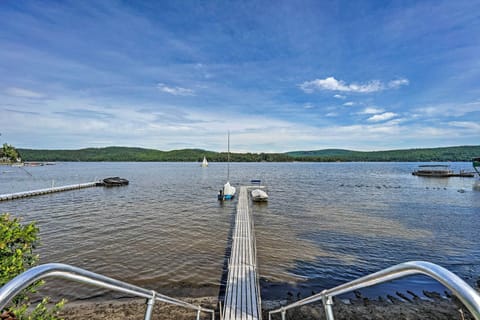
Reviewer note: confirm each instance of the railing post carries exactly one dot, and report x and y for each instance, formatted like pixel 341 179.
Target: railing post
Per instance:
pixel 328 306
pixel 150 304
pixel 283 312
pixel 198 314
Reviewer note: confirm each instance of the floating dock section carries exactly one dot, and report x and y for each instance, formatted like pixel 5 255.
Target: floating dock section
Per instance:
pixel 26 194
pixel 242 296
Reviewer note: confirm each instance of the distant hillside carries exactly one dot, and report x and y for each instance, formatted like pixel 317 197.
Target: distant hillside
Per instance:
pixel 141 154
pixel 321 153
pixel 462 153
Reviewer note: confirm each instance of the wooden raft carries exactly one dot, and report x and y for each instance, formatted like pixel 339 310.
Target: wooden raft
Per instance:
pixel 242 298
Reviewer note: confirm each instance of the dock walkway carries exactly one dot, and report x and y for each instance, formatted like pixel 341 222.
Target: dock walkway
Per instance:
pixel 242 297
pixel 25 194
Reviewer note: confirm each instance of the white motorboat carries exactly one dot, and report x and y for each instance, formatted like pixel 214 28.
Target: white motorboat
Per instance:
pixel 258 195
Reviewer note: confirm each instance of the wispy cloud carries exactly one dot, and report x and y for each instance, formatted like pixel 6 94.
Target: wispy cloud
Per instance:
pixel 339 96
pixel 23 93
pixel 449 109
pixel 394 84
pixel 176 91
pixel 382 117
pixel 332 84
pixel 349 104
pixel 469 125
pixel 371 110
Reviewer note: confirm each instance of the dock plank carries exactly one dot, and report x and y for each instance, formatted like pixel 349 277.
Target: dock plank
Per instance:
pixel 242 300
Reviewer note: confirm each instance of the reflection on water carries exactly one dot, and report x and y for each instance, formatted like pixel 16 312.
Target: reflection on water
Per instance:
pixel 325 223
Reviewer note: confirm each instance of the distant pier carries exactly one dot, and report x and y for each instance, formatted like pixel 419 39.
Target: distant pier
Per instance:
pixel 26 194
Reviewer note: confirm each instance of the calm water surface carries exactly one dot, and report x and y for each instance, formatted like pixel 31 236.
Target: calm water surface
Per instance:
pixel 325 223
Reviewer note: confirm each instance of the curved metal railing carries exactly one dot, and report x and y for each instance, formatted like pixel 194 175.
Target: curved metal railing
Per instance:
pixel 466 294
pixel 64 271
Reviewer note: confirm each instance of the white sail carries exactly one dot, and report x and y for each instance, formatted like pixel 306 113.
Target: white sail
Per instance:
pixel 204 162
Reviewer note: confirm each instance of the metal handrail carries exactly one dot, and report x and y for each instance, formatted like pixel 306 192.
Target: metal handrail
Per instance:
pixel 65 271
pixel 466 294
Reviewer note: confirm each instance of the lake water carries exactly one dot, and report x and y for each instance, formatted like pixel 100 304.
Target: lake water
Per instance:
pixel 325 223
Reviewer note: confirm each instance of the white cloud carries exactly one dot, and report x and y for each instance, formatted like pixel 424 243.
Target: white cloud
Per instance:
pixel 332 114
pixel 23 93
pixel 349 104
pixel 448 109
pixel 176 91
pixel 308 106
pixel 333 84
pixel 469 125
pixel 382 117
pixel 339 96
pixel 371 110
pixel 398 83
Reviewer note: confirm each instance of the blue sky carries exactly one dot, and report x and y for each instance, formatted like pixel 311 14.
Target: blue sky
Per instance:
pixel 280 75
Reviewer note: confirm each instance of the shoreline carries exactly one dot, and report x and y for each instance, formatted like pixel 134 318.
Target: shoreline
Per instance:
pixel 434 307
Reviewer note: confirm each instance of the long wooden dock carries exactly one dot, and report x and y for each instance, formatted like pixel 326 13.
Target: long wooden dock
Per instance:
pixel 26 194
pixel 242 297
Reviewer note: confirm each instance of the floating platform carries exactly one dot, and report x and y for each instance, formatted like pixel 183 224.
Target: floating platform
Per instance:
pixel 440 171
pixel 242 296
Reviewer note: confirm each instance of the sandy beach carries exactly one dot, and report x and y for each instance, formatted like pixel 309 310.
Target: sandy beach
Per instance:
pixel 433 307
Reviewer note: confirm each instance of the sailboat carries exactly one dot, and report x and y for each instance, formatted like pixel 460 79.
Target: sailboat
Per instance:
pixel 204 162
pixel 228 191
pixel 476 166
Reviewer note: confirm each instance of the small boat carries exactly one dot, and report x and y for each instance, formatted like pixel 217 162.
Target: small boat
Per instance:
pixel 204 162
pixel 228 191
pixel 259 195
pixel 33 164
pixel 115 182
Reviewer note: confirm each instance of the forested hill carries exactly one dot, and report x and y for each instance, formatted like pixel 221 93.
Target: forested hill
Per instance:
pixel 141 154
pixel 461 153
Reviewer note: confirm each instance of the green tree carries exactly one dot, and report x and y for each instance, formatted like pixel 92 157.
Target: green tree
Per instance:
pixel 9 152
pixel 17 243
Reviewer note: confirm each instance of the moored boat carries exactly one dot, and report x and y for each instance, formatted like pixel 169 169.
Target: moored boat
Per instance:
pixel 115 182
pixel 228 191
pixel 258 195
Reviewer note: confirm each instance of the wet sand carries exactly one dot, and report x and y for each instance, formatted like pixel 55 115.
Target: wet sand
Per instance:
pixel 433 307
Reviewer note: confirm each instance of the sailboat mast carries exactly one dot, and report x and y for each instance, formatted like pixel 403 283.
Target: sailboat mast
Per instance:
pixel 228 158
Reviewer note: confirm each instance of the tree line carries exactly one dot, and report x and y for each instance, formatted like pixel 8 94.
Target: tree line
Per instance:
pixel 460 153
